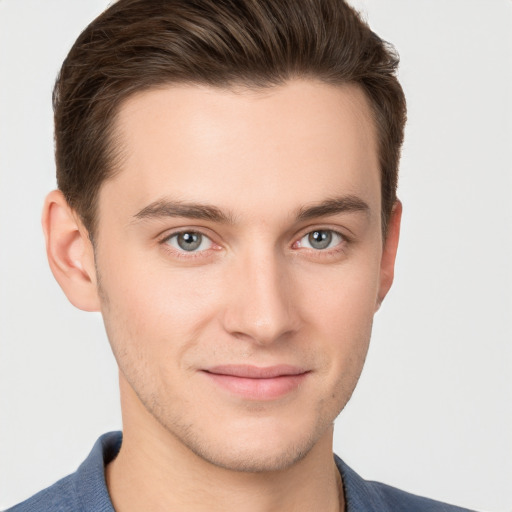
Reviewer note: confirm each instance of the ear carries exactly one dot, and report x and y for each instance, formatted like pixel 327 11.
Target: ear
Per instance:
pixel 387 264
pixel 70 252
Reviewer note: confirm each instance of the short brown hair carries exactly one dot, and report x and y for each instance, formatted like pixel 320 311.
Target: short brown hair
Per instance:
pixel 136 45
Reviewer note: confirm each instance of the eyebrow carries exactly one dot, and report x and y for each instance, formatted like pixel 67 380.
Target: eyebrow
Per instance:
pixel 333 206
pixel 166 208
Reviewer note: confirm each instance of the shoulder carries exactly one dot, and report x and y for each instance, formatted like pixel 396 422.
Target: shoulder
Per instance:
pixel 83 491
pixel 362 495
pixel 60 497
pixel 401 501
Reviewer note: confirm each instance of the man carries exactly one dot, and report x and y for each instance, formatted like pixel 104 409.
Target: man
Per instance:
pixel 227 199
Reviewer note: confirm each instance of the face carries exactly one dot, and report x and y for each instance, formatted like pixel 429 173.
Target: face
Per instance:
pixel 239 259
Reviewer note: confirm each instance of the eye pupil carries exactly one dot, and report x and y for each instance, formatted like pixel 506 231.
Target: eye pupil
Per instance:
pixel 320 239
pixel 189 241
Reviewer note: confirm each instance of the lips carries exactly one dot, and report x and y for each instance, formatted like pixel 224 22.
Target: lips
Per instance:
pixel 257 383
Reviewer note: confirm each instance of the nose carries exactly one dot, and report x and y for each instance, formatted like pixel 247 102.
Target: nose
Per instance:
pixel 261 306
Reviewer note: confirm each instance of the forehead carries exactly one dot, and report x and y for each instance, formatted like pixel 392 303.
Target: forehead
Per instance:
pixel 277 147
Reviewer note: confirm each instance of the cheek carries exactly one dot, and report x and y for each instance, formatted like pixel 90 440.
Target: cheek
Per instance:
pixel 343 297
pixel 154 309
pixel 339 311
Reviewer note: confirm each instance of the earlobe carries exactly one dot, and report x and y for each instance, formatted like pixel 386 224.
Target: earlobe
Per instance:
pixel 387 266
pixel 70 252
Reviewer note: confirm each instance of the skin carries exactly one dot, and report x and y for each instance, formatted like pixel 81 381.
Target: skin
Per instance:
pixel 247 171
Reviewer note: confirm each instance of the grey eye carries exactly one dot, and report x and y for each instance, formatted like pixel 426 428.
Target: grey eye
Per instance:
pixel 321 239
pixel 189 241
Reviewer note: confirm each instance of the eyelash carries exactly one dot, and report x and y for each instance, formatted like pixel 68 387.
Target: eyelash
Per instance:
pixel 332 236
pixel 188 255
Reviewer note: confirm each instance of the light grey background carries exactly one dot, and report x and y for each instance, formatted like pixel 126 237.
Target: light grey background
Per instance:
pixel 433 411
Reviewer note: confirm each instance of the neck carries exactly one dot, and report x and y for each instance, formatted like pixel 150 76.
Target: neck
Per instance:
pixel 155 471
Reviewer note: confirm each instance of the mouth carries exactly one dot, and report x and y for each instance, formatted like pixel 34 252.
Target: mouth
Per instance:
pixel 257 383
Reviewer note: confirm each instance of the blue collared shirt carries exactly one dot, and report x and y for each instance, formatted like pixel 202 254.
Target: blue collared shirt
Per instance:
pixel 86 490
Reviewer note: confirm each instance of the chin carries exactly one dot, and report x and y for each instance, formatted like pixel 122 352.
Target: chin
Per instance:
pixel 254 447
pixel 253 459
